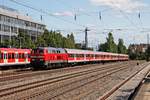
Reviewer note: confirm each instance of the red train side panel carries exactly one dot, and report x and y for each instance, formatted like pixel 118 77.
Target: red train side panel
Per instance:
pixel 13 56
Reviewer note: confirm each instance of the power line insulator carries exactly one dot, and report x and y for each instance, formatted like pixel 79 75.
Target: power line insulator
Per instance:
pixel 100 16
pixel 75 17
pixel 139 15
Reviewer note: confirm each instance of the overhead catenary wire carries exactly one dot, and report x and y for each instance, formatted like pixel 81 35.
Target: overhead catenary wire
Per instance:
pixel 132 23
pixel 78 13
pixel 83 12
pixel 139 16
pixel 45 12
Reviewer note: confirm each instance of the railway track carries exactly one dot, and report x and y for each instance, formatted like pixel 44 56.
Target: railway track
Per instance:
pixel 109 93
pixel 23 74
pixel 52 87
pixel 9 81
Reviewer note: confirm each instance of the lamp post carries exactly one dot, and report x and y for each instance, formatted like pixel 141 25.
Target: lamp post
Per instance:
pixel 86 37
pixel 20 41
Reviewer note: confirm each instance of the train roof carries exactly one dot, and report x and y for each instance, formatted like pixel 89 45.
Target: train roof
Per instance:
pixel 14 49
pixel 52 48
pixel 77 51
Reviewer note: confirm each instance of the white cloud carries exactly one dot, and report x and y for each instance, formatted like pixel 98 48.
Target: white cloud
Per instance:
pixel 65 13
pixel 124 5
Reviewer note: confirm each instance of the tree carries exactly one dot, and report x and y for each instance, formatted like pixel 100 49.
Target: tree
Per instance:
pixel 121 47
pixel 55 39
pixel 135 54
pixel 148 53
pixel 40 42
pixel 112 47
pixel 109 45
pixel 71 42
pixel 48 38
pixel 103 47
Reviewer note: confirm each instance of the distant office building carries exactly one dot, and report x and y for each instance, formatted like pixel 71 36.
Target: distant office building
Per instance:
pixel 138 48
pixel 12 22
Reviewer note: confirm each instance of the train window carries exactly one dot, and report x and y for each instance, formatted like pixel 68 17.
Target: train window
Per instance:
pixel 22 55
pixel 49 51
pixel 13 55
pixel 41 51
pixel 9 56
pixel 82 55
pixel 1 56
pixel 5 56
pixel 91 55
pixel 28 55
pixel 58 51
pixel 16 56
pixel 38 51
pixel 19 56
pixel 71 55
pixel 53 51
pixel 34 51
pixel 95 56
pixel 78 55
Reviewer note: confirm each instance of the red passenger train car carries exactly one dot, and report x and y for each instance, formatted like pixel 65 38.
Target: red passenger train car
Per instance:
pixel 48 56
pixel 14 56
pixel 75 56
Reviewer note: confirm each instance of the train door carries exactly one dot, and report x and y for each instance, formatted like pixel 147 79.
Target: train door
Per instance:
pixel 84 57
pixel 1 57
pixel 75 57
pixel 5 57
pixel 26 57
pixel 16 57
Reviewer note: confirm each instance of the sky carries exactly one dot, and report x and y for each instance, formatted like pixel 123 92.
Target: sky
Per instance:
pixel 126 19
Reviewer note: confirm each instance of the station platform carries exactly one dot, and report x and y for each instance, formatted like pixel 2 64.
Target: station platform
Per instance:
pixel 128 90
pixel 143 92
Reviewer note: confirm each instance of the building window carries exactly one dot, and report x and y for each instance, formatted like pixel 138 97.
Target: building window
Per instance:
pixel 0 17
pixel 0 27
pixel 13 29
pixel 6 28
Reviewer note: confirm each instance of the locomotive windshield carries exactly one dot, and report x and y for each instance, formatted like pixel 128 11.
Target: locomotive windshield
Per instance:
pixel 38 51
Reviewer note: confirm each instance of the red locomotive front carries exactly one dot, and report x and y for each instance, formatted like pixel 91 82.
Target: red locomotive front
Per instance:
pixel 48 57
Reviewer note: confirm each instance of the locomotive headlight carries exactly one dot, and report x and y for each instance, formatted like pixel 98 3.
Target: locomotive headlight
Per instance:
pixel 33 59
pixel 41 59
